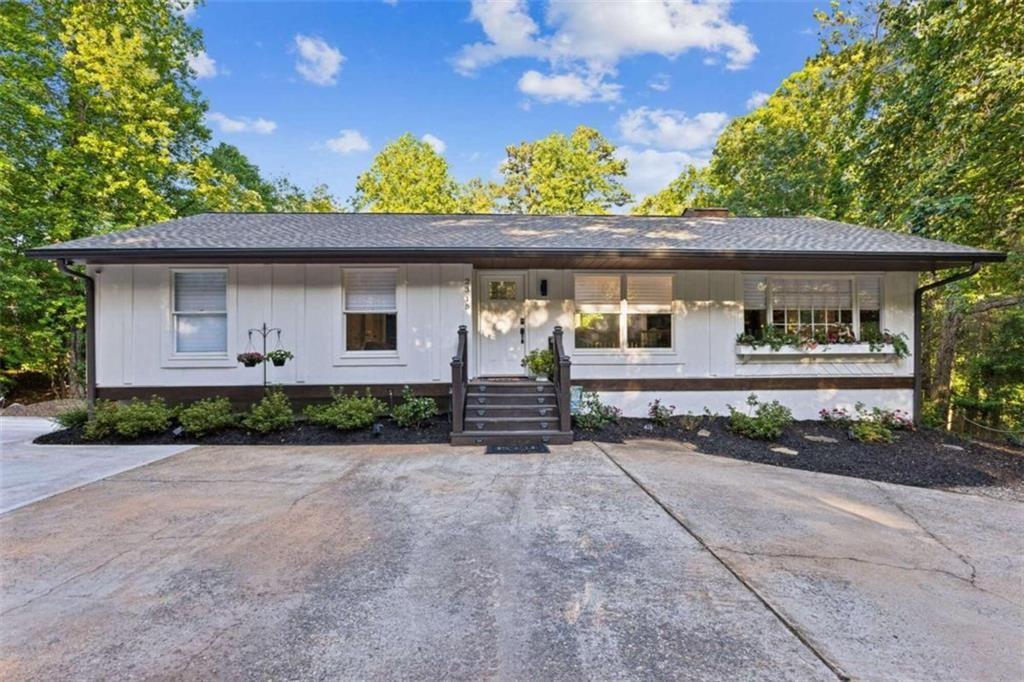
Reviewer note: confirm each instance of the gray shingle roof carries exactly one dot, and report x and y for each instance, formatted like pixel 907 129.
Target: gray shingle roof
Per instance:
pixel 366 232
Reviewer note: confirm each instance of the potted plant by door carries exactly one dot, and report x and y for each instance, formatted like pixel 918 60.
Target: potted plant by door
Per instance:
pixel 250 358
pixel 539 364
pixel 279 357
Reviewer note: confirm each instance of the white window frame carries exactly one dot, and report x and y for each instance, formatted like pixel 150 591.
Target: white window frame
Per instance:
pixel 171 357
pixel 370 358
pixel 624 308
pixel 852 278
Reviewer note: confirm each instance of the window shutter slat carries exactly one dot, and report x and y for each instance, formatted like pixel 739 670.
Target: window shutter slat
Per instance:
pixel 370 290
pixel 811 293
pixel 649 289
pixel 597 289
pixel 869 293
pixel 755 291
pixel 200 291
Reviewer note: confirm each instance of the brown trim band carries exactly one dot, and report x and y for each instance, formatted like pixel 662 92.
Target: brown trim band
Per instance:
pixel 746 383
pixel 300 393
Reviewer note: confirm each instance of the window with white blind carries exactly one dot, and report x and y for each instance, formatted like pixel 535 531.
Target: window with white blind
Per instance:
pixel 371 310
pixel 199 312
pixel 619 312
pixel 813 306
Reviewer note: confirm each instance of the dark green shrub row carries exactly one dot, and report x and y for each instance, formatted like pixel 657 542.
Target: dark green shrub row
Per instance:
pixel 273 413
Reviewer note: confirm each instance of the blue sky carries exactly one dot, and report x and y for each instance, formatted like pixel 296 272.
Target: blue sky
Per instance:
pixel 312 90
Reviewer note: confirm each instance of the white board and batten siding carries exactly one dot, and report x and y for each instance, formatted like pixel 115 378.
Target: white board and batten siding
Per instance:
pixel 135 338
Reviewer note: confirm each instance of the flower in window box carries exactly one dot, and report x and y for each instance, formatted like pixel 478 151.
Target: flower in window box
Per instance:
pixel 251 358
pixel 279 357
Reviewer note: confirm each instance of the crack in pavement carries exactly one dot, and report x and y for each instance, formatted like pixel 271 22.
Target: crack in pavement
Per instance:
pixel 881 564
pixel 963 558
pixel 793 628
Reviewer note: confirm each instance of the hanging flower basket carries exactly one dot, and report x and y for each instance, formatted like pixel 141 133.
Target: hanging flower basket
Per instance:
pixel 250 359
pixel 279 357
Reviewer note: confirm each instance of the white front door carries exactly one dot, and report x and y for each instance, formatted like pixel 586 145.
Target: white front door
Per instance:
pixel 500 323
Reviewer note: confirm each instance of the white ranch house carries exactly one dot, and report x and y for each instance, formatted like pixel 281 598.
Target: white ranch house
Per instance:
pixel 649 308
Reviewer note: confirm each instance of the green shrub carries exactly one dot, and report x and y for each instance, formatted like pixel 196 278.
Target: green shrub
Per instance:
pixel 273 413
pixel 540 363
pixel 206 416
pixel 128 420
pixel 765 421
pixel 878 425
pixel 871 431
pixel 74 417
pixel 660 414
pixel 594 415
pixel 347 411
pixel 413 411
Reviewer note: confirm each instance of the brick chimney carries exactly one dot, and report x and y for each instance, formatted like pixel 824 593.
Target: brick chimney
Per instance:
pixel 706 213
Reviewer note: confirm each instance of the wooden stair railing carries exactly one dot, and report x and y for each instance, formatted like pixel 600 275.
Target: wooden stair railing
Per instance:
pixel 561 377
pixel 460 382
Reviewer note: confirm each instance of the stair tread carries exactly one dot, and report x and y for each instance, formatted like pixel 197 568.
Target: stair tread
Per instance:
pixel 495 394
pixel 509 419
pixel 514 434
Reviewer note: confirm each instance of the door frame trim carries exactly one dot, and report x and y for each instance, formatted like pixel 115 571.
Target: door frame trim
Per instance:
pixel 477 294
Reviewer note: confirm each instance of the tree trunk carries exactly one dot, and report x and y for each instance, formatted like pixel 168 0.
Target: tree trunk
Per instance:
pixel 945 355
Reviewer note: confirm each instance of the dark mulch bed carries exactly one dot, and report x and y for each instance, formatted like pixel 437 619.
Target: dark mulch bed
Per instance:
pixel 916 458
pixel 301 433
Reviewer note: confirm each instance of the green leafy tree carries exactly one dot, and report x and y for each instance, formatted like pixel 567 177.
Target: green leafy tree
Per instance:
pixel 229 160
pixel 291 199
pixel 99 128
pixel 571 174
pixel 407 176
pixel 692 189
pixel 478 196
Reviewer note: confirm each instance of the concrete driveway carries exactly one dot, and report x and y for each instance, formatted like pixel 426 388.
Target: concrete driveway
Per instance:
pixel 610 562
pixel 29 472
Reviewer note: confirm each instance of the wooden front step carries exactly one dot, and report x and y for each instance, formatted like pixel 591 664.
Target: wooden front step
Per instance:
pixel 529 387
pixel 509 411
pixel 474 424
pixel 510 399
pixel 512 438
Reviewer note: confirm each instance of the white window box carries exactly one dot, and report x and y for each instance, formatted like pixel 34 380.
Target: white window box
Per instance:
pixel 834 349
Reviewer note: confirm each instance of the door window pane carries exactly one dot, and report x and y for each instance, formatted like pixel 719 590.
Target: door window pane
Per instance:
pixel 502 290
pixel 597 330
pixel 371 331
pixel 645 330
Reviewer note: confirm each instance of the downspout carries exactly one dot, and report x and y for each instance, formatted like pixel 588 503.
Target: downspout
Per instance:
pixel 90 328
pixel 918 295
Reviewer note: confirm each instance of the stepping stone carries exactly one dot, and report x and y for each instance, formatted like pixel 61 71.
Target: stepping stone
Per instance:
pixel 704 433
pixel 950 446
pixel 820 439
pixel 785 451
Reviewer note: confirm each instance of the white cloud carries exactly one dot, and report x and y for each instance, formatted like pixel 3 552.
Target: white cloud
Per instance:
pixel 671 129
pixel 436 142
pixel 203 64
pixel 661 82
pixel 589 39
pixel 319 63
pixel 260 126
pixel 756 99
pixel 348 141
pixel 650 170
pixel 568 87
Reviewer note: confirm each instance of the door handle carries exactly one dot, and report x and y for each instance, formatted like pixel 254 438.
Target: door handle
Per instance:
pixel 522 330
